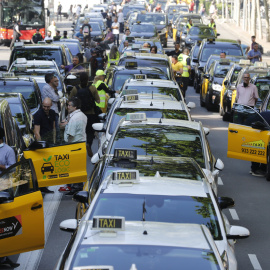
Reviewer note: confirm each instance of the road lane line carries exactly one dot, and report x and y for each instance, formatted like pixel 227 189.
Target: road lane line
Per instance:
pixel 254 261
pixel 30 260
pixel 234 214
pixel 220 181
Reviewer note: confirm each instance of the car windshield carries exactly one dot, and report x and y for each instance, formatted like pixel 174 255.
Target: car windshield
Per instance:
pixel 221 71
pixel 127 9
pixel 119 79
pixel 176 169
pixel 263 88
pixel 159 208
pixel 173 141
pixel 73 47
pixel 122 257
pixel 156 43
pixel 28 91
pixel 39 54
pixel 94 26
pixel 17 113
pixel 143 28
pixel 172 9
pixel 235 74
pixel 207 51
pixel 162 64
pixel 196 51
pixel 152 18
pixel 150 113
pixel 196 31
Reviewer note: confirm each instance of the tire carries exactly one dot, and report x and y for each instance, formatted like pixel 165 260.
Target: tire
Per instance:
pixel 208 104
pixel 226 115
pixel 202 103
pixel 221 111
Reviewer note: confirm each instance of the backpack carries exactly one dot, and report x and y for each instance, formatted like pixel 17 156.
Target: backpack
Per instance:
pixel 260 48
pixel 86 97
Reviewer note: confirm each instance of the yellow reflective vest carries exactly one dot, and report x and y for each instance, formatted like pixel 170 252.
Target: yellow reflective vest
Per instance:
pixel 182 58
pixel 213 25
pixel 102 95
pixel 112 61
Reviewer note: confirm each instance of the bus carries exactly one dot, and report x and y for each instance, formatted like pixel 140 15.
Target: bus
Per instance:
pixel 31 13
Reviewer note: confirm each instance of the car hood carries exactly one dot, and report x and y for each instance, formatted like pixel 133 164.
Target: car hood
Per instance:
pixel 142 34
pixel 160 26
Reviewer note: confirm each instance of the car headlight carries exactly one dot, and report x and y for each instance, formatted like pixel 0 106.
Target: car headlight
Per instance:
pixel 183 37
pixel 216 87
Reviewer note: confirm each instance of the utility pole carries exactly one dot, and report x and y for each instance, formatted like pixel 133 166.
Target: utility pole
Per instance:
pixel 259 20
pixel 266 6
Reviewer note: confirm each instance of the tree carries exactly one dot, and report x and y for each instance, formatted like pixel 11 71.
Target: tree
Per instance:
pixel 266 20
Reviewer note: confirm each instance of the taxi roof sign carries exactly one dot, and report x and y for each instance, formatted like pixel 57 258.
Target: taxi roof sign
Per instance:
pixel 131 64
pixel 130 39
pixel 126 176
pixel 136 117
pixel 7 75
pixel 108 223
pixel 224 61
pixel 244 62
pixel 130 92
pixel 94 267
pixel 21 61
pixel 144 50
pixel 140 77
pixel 131 98
pixel 260 64
pixel 18 44
pixel 125 154
pixel 136 46
pixel 210 40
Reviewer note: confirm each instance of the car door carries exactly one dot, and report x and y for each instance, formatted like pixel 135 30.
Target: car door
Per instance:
pixel 21 210
pixel 59 163
pixel 247 141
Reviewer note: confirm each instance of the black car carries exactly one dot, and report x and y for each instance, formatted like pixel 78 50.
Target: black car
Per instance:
pixel 212 46
pixel 117 75
pixel 55 52
pixel 212 83
pixel 143 30
pixel 160 20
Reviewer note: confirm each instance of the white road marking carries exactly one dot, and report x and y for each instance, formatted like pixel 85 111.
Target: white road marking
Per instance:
pixel 30 260
pixel 220 181
pixel 234 214
pixel 254 261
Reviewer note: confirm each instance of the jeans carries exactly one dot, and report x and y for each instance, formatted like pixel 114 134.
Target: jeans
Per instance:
pixel 116 38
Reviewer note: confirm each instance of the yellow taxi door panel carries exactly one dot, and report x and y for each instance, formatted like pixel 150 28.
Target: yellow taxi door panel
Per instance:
pixel 22 224
pixel 59 165
pixel 247 143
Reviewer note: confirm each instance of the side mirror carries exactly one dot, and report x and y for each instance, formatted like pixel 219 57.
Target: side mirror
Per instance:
pixel 218 34
pixel 110 101
pixel 200 68
pixel 95 158
pixel 81 197
pixel 71 77
pixel 226 83
pixel 225 202
pixel 102 116
pixel 195 60
pixel 98 127
pixel 219 165
pixel 238 232
pixel 206 76
pixel 37 145
pixel 259 125
pixel 191 105
pixel 3 68
pixel 206 130
pixel 5 197
pixel 69 225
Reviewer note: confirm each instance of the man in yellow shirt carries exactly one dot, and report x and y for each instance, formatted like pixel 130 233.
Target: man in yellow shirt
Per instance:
pixel 177 69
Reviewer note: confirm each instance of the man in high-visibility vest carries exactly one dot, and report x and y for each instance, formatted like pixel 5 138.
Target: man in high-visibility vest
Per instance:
pixel 103 90
pixel 213 25
pixel 184 59
pixel 189 25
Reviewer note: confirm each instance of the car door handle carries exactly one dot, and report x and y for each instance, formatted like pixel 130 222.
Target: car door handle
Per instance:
pixel 76 150
pixel 233 131
pixel 34 207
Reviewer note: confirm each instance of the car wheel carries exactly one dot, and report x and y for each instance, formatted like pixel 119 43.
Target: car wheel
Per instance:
pixel 221 111
pixel 208 104
pixel 202 103
pixel 226 114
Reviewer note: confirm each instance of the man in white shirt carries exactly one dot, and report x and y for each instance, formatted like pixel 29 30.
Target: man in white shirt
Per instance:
pixel 120 16
pixel 49 36
pixel 76 124
pixel 127 33
pixel 115 31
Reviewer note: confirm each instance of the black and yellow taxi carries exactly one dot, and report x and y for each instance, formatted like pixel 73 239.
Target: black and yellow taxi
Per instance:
pixel 249 136
pixel 144 30
pixel 263 84
pixel 160 20
pixel 117 75
pixel 214 46
pixel 212 83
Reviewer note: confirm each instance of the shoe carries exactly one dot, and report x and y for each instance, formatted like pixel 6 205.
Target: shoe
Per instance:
pixel 258 173
pixel 45 190
pixel 64 188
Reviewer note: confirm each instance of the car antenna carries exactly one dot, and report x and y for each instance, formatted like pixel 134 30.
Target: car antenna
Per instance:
pixel 152 160
pixel 151 104
pixel 160 122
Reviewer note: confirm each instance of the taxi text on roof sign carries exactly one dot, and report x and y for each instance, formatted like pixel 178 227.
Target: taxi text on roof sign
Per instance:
pixel 130 64
pixel 134 117
pixel 125 154
pixel 140 76
pixel 126 176
pixel 131 98
pixel 108 223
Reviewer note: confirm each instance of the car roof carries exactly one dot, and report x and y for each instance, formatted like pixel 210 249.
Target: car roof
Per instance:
pixel 144 56
pixel 34 62
pixel 17 80
pixel 151 83
pixel 158 234
pixel 11 97
pixel 41 46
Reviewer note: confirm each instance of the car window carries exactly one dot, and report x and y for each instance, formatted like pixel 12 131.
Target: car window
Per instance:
pixel 263 88
pixel 171 141
pixel 235 75
pixel 18 113
pixel 245 115
pixel 120 113
pixel 143 28
pixel 221 71
pixel 207 51
pixel 159 208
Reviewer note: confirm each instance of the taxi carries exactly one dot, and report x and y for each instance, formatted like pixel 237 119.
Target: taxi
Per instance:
pixel 117 75
pixel 263 83
pixel 249 136
pixel 163 137
pixel 167 200
pixel 148 60
pixel 144 30
pixel 135 103
pixel 110 242
pixel 228 86
pixel 214 46
pixel 259 69
pixel 212 84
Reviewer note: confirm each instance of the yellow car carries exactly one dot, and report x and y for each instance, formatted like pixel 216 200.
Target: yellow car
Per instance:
pixel 249 136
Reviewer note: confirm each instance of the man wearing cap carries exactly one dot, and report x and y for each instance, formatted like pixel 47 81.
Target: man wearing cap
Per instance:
pixel 36 37
pixel 102 89
pixel 16 33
